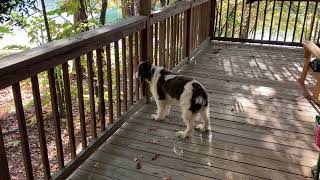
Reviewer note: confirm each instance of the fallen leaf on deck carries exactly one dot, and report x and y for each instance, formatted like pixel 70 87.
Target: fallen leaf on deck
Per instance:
pixel 167 178
pixel 155 156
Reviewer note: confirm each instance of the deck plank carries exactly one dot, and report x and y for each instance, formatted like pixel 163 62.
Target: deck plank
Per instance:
pixel 261 126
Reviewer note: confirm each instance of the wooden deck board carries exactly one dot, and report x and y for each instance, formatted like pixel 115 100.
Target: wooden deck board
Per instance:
pixel 261 126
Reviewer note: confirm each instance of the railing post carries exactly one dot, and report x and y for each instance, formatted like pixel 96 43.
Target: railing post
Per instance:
pixel 146 39
pixel 188 33
pixel 212 17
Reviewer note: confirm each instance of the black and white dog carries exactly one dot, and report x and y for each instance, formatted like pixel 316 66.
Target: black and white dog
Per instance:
pixel 168 88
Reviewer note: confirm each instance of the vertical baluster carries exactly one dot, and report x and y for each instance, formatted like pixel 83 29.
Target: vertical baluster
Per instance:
pixel 130 70
pixel 304 20
pixel 181 47
pixel 135 64
pixel 162 43
pixel 242 13
pixel 178 38
pixel 271 24
pixel 56 117
pixel 220 16
pixel 102 106
pixel 22 130
pixel 4 168
pixel 124 74
pixel 234 17
pixel 227 18
pixel 117 68
pixel 177 23
pixel 295 22
pixel 156 43
pixel 173 34
pixel 264 19
pixel 67 95
pixel 285 35
pixel 91 94
pixel 279 23
pixel 167 62
pixel 256 22
pixel 249 18
pixel 109 80
pixel 81 103
pixel 40 126
pixel 313 20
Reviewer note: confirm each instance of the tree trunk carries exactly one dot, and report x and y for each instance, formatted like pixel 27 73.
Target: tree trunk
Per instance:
pixel 59 85
pixel 103 12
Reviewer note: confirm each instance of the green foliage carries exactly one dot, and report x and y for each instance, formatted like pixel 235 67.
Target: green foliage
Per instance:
pixel 20 7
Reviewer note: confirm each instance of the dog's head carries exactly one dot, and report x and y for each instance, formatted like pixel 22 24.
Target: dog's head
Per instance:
pixel 144 72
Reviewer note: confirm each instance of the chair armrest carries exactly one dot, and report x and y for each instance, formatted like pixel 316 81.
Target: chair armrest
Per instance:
pixel 311 48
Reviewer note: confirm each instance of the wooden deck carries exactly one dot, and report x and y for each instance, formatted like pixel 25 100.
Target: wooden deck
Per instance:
pixel 261 126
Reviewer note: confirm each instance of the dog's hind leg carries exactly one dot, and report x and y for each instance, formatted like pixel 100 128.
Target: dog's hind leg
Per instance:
pixel 188 119
pixel 161 110
pixel 204 114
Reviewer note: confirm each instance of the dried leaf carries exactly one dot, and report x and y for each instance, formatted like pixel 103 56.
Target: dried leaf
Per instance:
pixel 155 156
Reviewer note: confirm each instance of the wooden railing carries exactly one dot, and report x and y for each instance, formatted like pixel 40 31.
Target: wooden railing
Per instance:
pixel 282 22
pixel 107 94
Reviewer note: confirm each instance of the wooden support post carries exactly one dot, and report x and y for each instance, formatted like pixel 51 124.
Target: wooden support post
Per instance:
pixel 145 39
pixel 212 7
pixel 188 34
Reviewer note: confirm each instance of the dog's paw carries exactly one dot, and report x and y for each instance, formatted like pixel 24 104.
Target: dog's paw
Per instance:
pixel 182 134
pixel 201 127
pixel 156 117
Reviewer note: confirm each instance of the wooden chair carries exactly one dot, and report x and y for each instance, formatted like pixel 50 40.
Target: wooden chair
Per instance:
pixel 310 50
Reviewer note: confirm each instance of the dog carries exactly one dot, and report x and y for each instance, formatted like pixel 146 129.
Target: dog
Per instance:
pixel 168 88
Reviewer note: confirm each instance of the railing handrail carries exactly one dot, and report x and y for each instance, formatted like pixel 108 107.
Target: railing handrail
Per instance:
pixel 16 67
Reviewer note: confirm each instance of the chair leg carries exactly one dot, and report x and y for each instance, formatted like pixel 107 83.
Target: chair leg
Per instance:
pixel 304 72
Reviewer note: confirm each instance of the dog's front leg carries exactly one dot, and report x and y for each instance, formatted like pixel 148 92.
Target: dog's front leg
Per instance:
pixel 161 110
